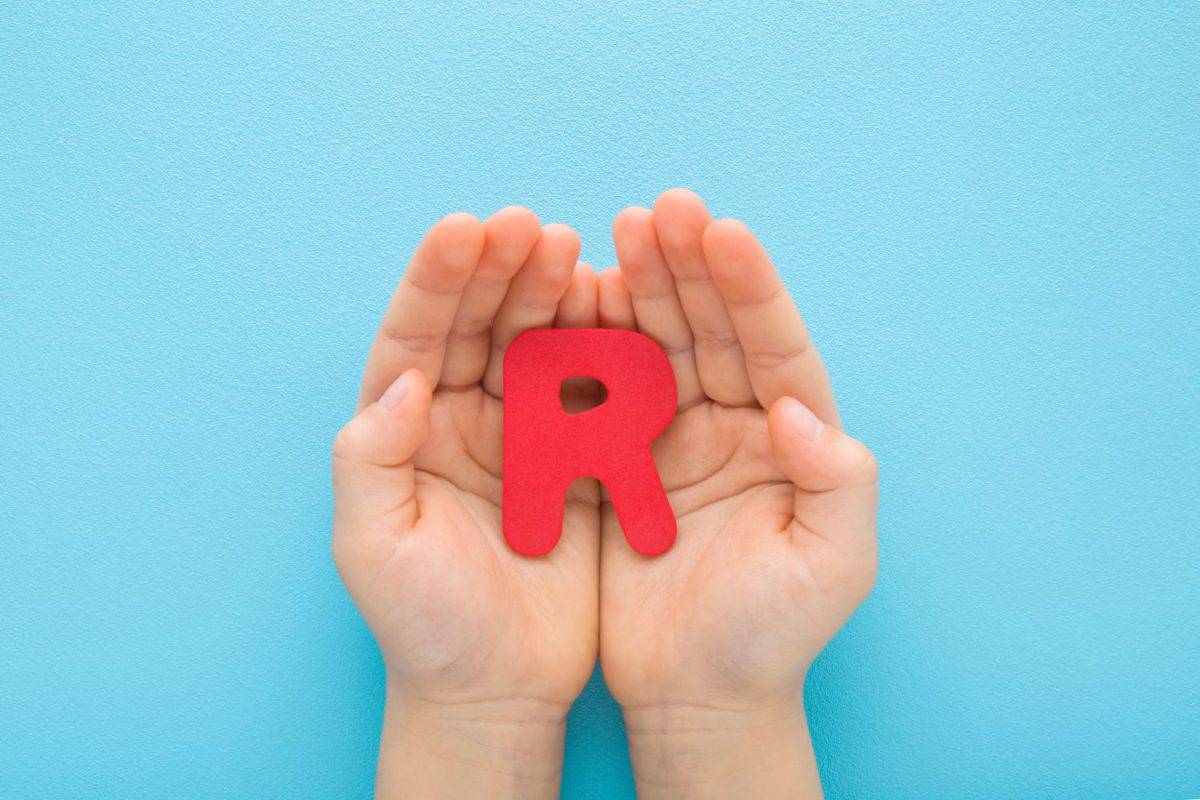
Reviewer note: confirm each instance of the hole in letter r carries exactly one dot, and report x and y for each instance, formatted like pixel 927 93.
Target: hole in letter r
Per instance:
pixel 545 448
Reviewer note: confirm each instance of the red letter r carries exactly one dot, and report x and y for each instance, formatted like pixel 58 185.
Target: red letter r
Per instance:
pixel 545 448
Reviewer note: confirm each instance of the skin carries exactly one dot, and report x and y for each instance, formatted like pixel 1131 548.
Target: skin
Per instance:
pixel 485 650
pixel 706 647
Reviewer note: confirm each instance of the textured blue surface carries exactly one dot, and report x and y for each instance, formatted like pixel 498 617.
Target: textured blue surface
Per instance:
pixel 989 215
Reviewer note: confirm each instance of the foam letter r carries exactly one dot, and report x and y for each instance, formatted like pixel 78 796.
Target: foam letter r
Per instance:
pixel 545 448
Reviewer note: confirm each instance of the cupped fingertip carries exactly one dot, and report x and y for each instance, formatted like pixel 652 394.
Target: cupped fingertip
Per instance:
pixel 459 223
pixel 457 240
pixel 584 273
pixel 403 387
pixel 394 395
pixel 794 419
pixel 680 218
pixel 584 281
pixel 615 304
pixel 722 234
pixel 636 241
pixel 560 231
pixel 562 247
pixel 679 198
pixel 517 214
pixel 730 249
pixel 516 224
pixel 610 278
pixel 630 219
pixel 803 421
pixel 578 307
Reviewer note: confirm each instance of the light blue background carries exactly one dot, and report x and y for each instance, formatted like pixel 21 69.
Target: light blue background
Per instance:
pixel 989 215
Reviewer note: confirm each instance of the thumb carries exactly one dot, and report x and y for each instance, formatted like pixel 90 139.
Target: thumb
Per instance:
pixel 372 456
pixel 835 477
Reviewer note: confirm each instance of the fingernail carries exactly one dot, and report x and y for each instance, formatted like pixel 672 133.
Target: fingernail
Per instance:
pixel 804 421
pixel 396 393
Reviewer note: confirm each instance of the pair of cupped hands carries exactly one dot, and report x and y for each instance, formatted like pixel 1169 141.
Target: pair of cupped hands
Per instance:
pixel 705 647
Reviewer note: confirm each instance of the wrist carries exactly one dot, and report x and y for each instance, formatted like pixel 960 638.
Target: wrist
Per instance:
pixel 509 747
pixel 700 751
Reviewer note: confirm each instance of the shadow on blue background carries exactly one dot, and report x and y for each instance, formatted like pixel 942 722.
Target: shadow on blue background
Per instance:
pixel 989 216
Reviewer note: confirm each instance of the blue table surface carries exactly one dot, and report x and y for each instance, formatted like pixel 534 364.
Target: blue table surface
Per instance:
pixel 990 214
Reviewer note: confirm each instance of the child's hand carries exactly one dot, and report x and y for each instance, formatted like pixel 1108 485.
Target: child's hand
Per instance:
pixel 485 650
pixel 706 647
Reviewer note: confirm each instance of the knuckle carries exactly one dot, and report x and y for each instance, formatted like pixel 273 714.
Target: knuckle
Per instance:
pixel 868 466
pixel 416 344
pixel 474 331
pixel 772 359
pixel 716 340
pixel 344 443
pixel 863 466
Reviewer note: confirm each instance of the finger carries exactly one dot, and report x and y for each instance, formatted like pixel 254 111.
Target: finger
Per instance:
pixel 533 296
pixel 414 328
pixel 655 304
pixel 615 304
pixel 680 218
pixel 835 477
pixel 578 307
pixel 372 456
pixel 509 236
pixel 615 310
pixel 779 354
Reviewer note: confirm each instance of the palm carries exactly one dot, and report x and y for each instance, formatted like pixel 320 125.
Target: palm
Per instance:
pixel 526 617
pixel 734 565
